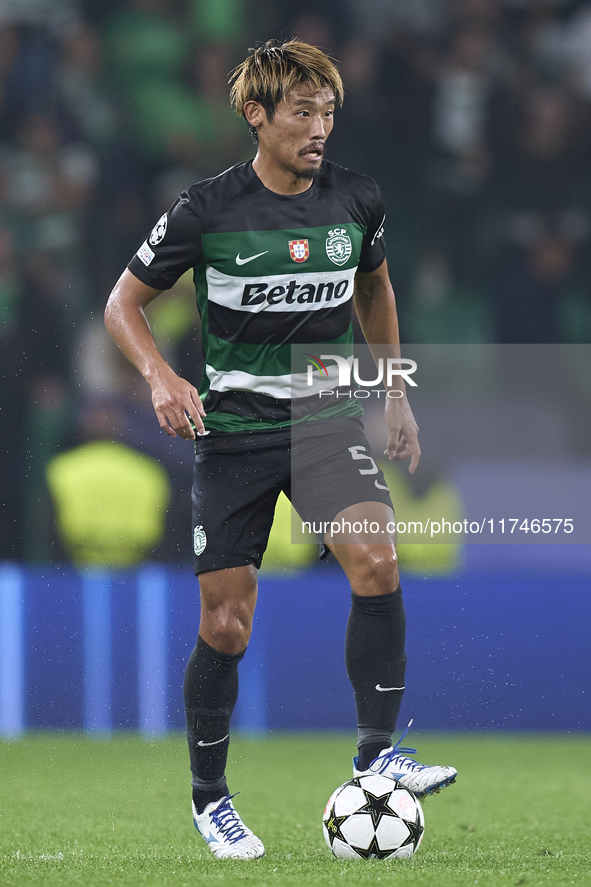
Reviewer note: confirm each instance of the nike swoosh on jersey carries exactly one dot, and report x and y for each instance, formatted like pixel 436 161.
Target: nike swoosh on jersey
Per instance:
pixel 240 261
pixel 217 742
pixel 387 689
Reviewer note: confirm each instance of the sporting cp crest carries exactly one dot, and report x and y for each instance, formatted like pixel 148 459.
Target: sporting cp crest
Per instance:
pixel 299 250
pixel 339 246
pixel 199 540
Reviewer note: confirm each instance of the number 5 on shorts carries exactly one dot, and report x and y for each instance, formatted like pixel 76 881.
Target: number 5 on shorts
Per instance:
pixel 357 453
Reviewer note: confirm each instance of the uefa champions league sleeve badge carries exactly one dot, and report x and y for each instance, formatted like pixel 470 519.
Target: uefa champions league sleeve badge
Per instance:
pixel 159 230
pixel 199 540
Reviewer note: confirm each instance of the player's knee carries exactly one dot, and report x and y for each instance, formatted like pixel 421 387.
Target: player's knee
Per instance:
pixel 228 600
pixel 228 629
pixel 376 572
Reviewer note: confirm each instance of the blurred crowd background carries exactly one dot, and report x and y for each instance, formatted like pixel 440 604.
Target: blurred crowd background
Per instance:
pixel 473 115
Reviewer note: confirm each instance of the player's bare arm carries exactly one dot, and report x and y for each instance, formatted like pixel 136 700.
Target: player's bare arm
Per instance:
pixel 175 400
pixel 375 305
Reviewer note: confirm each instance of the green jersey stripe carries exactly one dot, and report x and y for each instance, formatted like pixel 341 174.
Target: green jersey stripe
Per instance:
pixel 220 420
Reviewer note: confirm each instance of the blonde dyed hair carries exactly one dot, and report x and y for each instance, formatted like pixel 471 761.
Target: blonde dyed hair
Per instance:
pixel 274 69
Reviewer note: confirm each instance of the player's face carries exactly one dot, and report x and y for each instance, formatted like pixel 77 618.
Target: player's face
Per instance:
pixel 294 140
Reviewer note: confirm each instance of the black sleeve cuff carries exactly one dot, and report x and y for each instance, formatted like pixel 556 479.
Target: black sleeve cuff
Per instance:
pixel 142 273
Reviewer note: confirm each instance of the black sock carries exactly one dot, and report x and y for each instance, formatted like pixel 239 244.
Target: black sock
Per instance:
pixel 368 752
pixel 203 797
pixel 210 692
pixel 376 663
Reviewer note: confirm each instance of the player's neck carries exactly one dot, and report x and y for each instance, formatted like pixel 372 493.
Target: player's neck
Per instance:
pixel 278 179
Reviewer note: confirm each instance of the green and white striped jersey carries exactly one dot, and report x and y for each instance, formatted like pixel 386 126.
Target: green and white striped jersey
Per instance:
pixel 270 271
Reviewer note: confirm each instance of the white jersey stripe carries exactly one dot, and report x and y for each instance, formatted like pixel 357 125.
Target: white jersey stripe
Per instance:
pixel 236 380
pixel 287 385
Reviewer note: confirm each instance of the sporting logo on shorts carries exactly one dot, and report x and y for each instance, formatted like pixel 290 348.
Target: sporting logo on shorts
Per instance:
pixel 199 540
pixel 158 231
pixel 339 246
pixel 299 250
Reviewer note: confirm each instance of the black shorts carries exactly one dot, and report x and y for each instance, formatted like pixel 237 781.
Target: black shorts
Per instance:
pixel 237 478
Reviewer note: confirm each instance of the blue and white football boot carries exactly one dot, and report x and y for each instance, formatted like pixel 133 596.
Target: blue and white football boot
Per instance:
pixel 226 835
pixel 419 779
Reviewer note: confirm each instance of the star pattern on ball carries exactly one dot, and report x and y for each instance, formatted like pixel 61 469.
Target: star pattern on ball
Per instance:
pixel 377 806
pixel 416 830
pixel 333 827
pixel 372 852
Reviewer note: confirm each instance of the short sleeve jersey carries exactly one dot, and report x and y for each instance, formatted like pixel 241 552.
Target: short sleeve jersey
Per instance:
pixel 270 271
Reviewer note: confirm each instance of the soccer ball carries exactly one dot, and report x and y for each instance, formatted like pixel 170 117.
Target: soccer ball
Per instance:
pixel 372 817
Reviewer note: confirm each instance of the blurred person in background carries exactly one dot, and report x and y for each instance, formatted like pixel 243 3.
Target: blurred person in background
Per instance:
pixel 110 500
pixel 45 361
pixel 47 185
pixel 530 294
pixel 13 396
pixel 46 189
pixel 460 163
pixel 540 192
pixel 362 115
pixel 9 50
pixel 80 81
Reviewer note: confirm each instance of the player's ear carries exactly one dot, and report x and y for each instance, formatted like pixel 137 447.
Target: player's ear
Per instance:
pixel 253 113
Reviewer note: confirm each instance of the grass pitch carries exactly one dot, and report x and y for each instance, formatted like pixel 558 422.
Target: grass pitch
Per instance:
pixel 78 811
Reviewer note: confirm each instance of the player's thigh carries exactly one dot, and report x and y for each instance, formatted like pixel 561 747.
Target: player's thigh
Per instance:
pixel 334 470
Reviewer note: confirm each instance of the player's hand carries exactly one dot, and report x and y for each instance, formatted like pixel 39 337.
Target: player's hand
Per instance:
pixel 403 433
pixel 176 402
